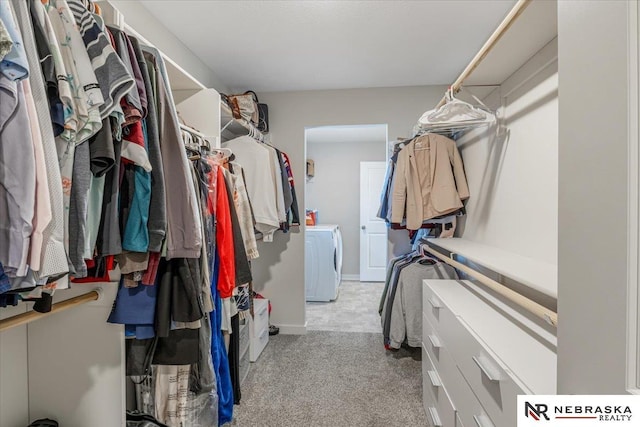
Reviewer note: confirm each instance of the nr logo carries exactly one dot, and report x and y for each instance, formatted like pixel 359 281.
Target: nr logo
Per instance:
pixel 536 411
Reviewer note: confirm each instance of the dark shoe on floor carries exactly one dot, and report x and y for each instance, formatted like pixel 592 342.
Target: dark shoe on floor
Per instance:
pixel 273 330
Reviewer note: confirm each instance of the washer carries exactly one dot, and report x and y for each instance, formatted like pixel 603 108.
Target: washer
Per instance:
pixel 323 262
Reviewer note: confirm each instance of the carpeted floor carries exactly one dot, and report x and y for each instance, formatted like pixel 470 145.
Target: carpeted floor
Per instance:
pixel 327 378
pixel 355 309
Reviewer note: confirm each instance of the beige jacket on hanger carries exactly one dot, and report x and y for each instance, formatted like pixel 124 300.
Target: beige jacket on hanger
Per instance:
pixel 429 180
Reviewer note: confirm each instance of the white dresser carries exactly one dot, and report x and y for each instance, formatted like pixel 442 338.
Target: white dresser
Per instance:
pixel 258 328
pixel 478 355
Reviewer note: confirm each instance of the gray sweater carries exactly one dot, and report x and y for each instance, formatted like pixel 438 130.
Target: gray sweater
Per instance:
pixel 406 311
pixel 157 223
pixel 184 228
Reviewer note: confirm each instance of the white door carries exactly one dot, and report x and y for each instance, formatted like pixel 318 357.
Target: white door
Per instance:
pixel 373 230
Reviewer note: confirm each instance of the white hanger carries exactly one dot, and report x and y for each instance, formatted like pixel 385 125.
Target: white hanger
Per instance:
pixel 455 115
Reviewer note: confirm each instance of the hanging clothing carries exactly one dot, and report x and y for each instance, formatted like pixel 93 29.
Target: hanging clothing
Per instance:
pixel 260 181
pixel 157 220
pixel 18 180
pixel 14 63
pixel 224 238
pixel 241 263
pixel 243 209
pixel 405 323
pixel 113 78
pixel 6 43
pixel 42 209
pixel 184 237
pixel 294 212
pixel 48 68
pixel 401 308
pixel 219 353
pixel 53 259
pixel 430 180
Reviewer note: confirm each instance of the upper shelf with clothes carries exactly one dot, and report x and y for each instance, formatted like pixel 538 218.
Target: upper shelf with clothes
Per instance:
pixel 197 105
pixel 232 127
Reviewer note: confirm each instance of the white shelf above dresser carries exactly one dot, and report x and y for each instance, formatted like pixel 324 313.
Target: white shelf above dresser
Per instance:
pixel 538 275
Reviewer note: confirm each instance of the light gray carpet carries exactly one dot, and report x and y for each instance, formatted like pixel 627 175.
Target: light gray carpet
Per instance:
pixel 355 309
pixel 332 379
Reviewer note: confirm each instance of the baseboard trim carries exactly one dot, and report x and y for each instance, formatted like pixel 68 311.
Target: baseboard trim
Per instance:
pixel 351 277
pixel 293 329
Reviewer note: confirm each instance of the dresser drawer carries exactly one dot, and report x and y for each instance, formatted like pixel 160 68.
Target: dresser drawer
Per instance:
pixel 432 306
pixel 432 342
pixel 489 380
pixel 257 343
pixel 469 410
pixel 435 399
pixel 260 316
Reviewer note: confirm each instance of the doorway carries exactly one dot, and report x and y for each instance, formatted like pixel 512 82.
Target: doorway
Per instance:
pixel 338 202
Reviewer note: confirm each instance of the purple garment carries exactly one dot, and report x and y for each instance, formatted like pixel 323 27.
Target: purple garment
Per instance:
pixel 137 74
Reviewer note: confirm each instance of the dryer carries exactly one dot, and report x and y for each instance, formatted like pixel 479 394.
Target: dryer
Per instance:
pixel 323 262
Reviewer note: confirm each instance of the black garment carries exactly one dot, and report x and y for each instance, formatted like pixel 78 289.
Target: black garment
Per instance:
pixel 234 358
pixel 243 269
pixel 47 65
pixel 44 303
pixel 127 193
pixel 286 188
pixel 180 347
pixel 101 150
pixel 178 297
pixel 109 240
pixel 138 419
pixel 186 292
pixel 44 422
pixel 139 354
pixel 203 377
pixel 295 213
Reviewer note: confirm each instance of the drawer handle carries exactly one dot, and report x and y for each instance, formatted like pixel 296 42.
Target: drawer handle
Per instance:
pixel 481 421
pixel 434 378
pixel 435 418
pixel 485 371
pixel 263 334
pixel 434 304
pixel 435 342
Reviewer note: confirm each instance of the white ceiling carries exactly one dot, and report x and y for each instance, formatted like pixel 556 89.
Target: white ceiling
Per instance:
pixel 347 134
pixel 308 44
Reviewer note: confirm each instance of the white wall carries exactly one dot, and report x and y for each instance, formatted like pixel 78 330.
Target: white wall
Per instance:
pixel 280 268
pixel 68 366
pixel 14 372
pixel 335 190
pixel 513 179
pixel 593 236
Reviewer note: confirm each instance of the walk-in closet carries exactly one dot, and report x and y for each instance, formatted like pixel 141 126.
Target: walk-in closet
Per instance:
pixel 319 213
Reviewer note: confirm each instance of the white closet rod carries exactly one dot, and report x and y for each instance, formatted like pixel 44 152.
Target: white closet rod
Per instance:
pixel 192 131
pixel 504 26
pixel 30 316
pixel 531 306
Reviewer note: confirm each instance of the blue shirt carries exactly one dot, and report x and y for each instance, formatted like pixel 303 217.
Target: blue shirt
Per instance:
pixel 14 65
